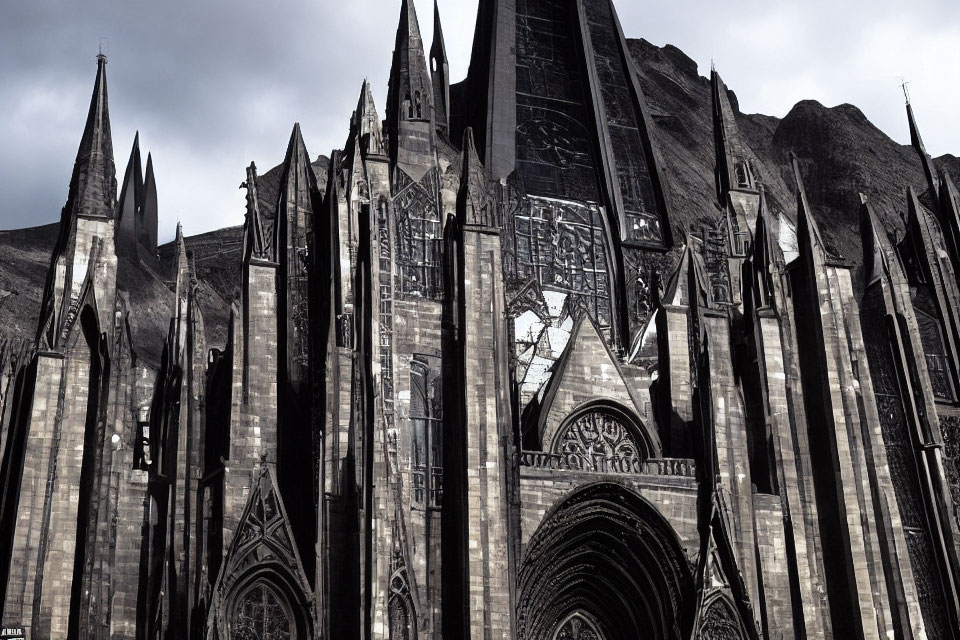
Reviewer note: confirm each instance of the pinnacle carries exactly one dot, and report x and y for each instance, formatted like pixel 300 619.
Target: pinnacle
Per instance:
pixel 469 150
pixel 296 149
pixel 438 48
pixel 148 209
pixel 93 187
pixel 804 214
pixel 132 186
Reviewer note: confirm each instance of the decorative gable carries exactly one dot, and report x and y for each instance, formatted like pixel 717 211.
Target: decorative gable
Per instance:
pixel 586 374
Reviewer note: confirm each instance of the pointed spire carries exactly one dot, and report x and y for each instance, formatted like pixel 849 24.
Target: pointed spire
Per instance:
pixel 366 123
pixel 440 70
pixel 256 242
pixel 182 261
pixel 93 187
pixel 298 179
pixel 130 200
pixel 928 169
pixel 148 211
pixel 877 250
pixel 410 96
pixel 298 187
pixel 297 205
pixel 474 204
pixel 806 224
pixel 182 291
pixel 675 293
pixel 950 214
pixel 767 255
pixel 733 167
pixel 916 213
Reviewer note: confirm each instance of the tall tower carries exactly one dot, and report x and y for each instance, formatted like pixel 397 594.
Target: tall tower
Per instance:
pixel 56 442
pixel 410 99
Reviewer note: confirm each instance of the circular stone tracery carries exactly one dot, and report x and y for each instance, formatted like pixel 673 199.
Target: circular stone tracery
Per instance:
pixel 602 437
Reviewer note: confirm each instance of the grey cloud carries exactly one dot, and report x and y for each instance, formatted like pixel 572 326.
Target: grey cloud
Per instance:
pixel 214 85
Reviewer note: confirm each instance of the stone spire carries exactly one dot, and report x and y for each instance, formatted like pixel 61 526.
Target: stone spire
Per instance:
pixel 131 196
pixel 299 197
pixel 410 97
pixel 440 74
pixel 733 164
pixel 474 201
pixel 183 269
pixel 148 211
pixel 365 124
pixel 86 220
pixel 928 169
pixel 878 254
pixel 257 243
pixel 950 215
pixel 806 224
pixel 93 187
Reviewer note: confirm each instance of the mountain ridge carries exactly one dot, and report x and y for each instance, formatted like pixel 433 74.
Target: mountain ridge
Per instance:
pixel 841 152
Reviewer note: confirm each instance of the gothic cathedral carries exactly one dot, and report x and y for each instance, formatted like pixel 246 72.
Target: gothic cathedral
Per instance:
pixel 477 386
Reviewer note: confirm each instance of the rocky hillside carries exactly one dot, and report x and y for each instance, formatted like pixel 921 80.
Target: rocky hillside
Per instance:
pixel 842 154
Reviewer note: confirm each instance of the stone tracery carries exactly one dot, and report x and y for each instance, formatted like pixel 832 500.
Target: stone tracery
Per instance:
pixel 596 438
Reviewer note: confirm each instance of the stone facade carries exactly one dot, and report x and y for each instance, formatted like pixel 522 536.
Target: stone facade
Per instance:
pixel 452 404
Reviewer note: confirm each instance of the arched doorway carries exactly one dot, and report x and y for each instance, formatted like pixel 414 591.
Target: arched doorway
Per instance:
pixel 262 613
pixel 604 565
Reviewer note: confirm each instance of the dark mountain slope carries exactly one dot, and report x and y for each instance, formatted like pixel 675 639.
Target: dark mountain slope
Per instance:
pixel 841 152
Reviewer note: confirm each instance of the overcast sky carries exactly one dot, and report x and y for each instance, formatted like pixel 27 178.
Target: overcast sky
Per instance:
pixel 215 84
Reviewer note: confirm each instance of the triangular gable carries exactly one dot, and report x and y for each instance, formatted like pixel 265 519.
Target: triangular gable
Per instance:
pixel 264 540
pixel 721 591
pixel 585 373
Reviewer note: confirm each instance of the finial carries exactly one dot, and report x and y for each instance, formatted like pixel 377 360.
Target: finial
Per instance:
pixel 101 56
pixel 906 92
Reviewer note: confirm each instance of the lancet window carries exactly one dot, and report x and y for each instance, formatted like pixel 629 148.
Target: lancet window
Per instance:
pixel 427 429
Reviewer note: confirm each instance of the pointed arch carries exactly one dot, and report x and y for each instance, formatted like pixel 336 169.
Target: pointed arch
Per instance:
pixel 719 619
pixel 607 553
pixel 263 562
pixel 577 626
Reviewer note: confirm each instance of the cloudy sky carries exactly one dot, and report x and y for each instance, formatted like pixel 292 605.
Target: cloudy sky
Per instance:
pixel 213 85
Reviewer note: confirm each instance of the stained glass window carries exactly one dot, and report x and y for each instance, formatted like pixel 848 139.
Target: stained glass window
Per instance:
pixel 260 615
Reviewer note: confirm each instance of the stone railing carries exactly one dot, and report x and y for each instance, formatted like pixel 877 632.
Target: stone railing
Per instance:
pixel 681 467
